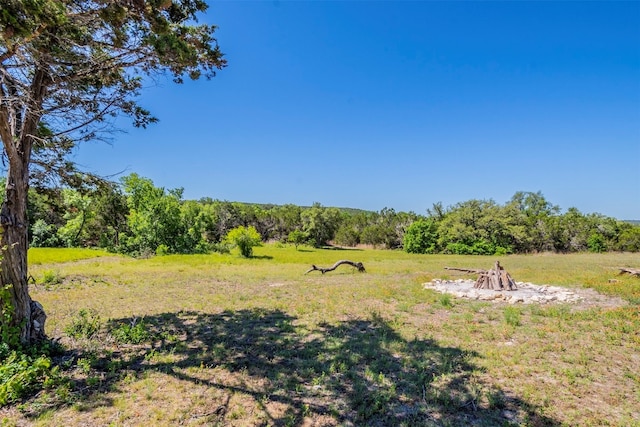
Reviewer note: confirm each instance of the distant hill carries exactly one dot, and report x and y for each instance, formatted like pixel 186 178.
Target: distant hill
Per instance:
pixel 632 221
pixel 267 206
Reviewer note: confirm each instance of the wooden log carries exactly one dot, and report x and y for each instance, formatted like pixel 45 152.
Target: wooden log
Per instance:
pixel 496 278
pixel 357 265
pixel 467 270
pixel 631 271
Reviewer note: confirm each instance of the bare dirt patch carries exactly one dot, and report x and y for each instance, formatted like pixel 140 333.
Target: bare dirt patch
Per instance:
pixel 527 293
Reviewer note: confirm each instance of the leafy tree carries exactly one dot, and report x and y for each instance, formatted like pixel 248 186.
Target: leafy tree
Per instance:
pixel 287 219
pixel 629 238
pixel 536 215
pixel 421 237
pixel 78 213
pixel 480 227
pixel 44 235
pixel 245 238
pixel 111 216
pixel 321 223
pixel 154 218
pixel 297 237
pixel 375 234
pixel 347 235
pixel 67 68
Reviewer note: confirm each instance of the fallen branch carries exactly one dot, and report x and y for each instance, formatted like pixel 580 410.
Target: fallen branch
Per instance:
pixel 467 270
pixel 357 265
pixel 631 271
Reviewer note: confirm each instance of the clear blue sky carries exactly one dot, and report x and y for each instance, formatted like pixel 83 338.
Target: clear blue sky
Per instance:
pixel 402 104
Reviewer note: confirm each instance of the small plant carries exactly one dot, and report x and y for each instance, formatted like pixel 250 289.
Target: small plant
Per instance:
pixel 51 277
pixel 22 375
pixel 9 334
pixel 245 238
pixel 132 333
pixel 446 300
pixel 512 316
pixel 86 324
pixel 297 237
pixel 84 364
pixel 222 247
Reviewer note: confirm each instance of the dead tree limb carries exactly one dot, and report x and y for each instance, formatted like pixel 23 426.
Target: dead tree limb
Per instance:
pixel 467 270
pixel 631 271
pixel 357 265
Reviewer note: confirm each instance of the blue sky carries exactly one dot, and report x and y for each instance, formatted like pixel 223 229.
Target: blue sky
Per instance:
pixel 402 104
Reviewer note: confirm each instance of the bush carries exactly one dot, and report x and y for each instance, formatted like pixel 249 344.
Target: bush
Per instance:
pixel 24 373
pixel 245 238
pixel 421 237
pixel 162 250
pixel 596 243
pixel 480 247
pixel 21 375
pixel 629 240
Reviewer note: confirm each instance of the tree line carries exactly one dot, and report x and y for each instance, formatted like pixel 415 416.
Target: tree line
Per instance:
pixel 135 217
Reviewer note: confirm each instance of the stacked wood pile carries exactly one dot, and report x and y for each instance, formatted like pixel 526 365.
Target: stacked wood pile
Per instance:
pixel 496 278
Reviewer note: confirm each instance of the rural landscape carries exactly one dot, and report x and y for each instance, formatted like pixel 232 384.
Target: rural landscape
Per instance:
pixel 490 291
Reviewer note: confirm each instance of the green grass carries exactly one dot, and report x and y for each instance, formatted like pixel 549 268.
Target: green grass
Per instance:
pixel 39 256
pixel 223 340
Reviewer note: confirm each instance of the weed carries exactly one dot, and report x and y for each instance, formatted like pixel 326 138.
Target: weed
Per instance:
pixel 512 316
pixel 84 364
pixel 51 277
pixel 22 375
pixel 446 300
pixel 131 333
pixel 85 324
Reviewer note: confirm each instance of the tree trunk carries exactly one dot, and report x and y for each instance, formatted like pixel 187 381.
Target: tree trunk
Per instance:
pixel 13 266
pixel 18 129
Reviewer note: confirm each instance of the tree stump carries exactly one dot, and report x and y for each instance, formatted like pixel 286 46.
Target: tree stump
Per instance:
pixel 497 278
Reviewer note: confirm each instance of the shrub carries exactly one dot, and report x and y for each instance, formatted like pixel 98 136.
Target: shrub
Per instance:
pixel 596 243
pixel 26 372
pixel 21 375
pixel 245 238
pixel 162 250
pixel 421 237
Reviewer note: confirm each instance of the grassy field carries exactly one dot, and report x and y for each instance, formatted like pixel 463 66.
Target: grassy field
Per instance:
pixel 205 340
